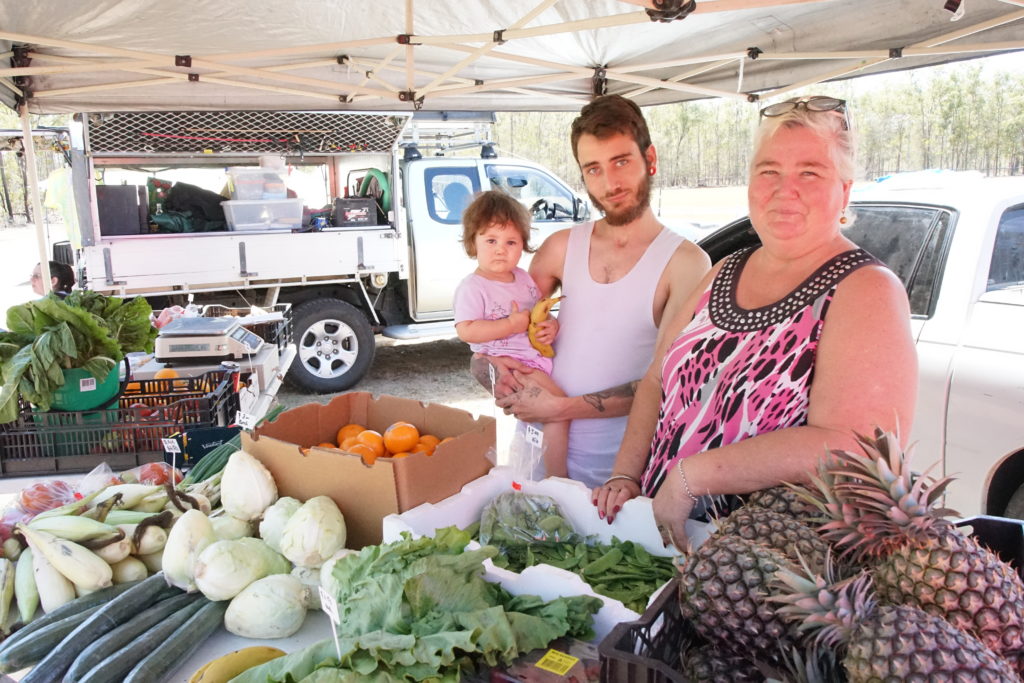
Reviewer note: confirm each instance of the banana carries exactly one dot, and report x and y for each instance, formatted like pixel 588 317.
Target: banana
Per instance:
pixel 540 312
pixel 235 663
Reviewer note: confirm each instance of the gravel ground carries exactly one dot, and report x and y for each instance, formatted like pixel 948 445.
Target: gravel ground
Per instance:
pixel 434 370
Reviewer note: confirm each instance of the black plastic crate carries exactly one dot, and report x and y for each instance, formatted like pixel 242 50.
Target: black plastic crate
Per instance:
pixel 125 433
pixel 648 650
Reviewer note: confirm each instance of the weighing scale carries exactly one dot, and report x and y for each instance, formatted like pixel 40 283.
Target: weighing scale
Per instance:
pixel 188 340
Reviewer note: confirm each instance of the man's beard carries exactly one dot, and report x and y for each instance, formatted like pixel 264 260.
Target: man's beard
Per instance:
pixel 629 213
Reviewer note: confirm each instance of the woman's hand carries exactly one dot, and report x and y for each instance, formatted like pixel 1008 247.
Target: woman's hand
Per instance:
pixel 613 494
pixel 672 507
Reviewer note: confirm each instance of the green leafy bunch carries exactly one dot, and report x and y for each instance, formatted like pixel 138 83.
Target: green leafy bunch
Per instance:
pixel 86 330
pixel 420 610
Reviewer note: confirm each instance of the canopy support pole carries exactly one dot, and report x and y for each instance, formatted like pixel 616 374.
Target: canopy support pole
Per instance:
pixel 32 186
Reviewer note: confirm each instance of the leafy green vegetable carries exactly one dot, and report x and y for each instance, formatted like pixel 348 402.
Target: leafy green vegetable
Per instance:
pixel 516 517
pixel 420 609
pixel 86 330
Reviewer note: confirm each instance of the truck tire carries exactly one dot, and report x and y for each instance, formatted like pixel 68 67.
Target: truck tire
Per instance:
pixel 1015 507
pixel 335 346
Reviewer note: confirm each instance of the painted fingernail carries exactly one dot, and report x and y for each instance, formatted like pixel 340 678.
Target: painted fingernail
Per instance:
pixel 594 501
pixel 610 519
pixel 600 513
pixel 616 508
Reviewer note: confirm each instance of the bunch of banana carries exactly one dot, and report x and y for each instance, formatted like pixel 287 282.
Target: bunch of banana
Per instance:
pixel 540 312
pixel 233 664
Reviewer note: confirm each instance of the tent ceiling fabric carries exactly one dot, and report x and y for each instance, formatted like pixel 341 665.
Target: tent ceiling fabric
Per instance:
pixel 109 55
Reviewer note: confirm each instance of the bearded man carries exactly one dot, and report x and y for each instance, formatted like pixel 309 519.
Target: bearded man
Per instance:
pixel 620 276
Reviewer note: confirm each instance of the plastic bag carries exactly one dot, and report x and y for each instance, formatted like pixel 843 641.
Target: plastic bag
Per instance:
pixel 152 473
pixel 100 477
pixel 526 452
pixel 516 517
pixel 167 315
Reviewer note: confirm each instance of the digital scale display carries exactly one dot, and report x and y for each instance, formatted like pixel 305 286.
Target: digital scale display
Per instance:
pixel 205 339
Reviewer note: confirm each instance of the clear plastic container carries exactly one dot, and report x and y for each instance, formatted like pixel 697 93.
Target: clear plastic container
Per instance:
pixel 263 214
pixel 253 182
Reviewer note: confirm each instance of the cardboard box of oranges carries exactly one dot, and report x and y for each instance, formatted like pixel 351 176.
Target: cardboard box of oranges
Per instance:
pixel 442 448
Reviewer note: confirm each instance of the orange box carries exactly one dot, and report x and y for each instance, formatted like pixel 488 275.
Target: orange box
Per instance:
pixel 365 494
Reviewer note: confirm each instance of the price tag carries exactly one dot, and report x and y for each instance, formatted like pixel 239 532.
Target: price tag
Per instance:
pixel 330 608
pixel 245 420
pixel 87 384
pixel 171 445
pixel 558 663
pixel 534 436
pixel 492 375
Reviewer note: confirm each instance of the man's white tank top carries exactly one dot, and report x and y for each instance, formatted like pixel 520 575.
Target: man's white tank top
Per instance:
pixel 606 338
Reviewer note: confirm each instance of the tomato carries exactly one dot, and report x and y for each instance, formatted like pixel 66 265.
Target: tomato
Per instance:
pixel 46 495
pixel 158 473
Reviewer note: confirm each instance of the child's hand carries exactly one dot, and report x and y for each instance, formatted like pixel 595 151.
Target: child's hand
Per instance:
pixel 520 319
pixel 547 331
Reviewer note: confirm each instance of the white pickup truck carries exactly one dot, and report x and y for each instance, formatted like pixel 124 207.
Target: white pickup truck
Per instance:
pixel 391 269
pixel 956 240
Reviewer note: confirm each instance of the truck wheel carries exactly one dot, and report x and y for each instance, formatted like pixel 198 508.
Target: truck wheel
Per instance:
pixel 1015 507
pixel 335 345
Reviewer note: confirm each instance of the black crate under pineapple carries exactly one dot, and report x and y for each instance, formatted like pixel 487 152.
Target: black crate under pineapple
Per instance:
pixel 366 494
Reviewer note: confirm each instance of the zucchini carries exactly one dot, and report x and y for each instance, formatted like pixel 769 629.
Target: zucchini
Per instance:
pixel 116 665
pixel 113 641
pixel 117 611
pixel 170 653
pixel 28 651
pixel 74 607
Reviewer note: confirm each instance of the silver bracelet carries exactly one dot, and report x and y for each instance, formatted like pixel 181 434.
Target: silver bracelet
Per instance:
pixel 686 484
pixel 620 476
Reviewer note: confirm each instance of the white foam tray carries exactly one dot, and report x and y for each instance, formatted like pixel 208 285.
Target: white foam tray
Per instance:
pixel 635 522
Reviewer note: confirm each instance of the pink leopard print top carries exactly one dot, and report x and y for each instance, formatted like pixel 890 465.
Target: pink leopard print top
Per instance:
pixel 735 373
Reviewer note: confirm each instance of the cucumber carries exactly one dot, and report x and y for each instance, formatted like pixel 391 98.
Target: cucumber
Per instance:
pixel 116 665
pixel 213 462
pixel 29 651
pixel 170 653
pixel 117 611
pixel 113 641
pixel 74 607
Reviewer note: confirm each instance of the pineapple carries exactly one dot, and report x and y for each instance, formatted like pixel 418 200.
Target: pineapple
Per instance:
pixel 787 501
pixel 703 663
pixel 885 517
pixel 779 532
pixel 883 642
pixel 723 587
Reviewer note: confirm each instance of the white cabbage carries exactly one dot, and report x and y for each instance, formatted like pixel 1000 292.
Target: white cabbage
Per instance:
pixel 187 539
pixel 271 607
pixel 246 487
pixel 327 571
pixel 228 528
pixel 314 533
pixel 225 568
pixel 274 519
pixel 310 578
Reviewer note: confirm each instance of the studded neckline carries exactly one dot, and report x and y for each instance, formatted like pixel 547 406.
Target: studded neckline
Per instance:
pixel 727 314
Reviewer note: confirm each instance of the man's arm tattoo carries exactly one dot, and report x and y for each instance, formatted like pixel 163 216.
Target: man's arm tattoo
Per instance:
pixel 598 398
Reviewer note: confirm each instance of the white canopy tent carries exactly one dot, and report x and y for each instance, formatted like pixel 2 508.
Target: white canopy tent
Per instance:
pixel 495 55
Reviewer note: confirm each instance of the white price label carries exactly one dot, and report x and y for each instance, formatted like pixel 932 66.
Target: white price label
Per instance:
pixel 245 420
pixel 491 374
pixel 87 384
pixel 171 446
pixel 329 606
pixel 534 436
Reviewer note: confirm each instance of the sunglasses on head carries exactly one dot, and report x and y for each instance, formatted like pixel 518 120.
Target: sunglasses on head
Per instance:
pixel 817 103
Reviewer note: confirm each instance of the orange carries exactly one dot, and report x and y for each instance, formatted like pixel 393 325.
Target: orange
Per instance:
pixel 446 440
pixel 424 448
pixel 326 444
pixel 400 437
pixel 372 439
pixel 133 386
pixel 348 443
pixel 404 454
pixel 430 439
pixel 349 430
pixel 368 455
pixel 166 373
